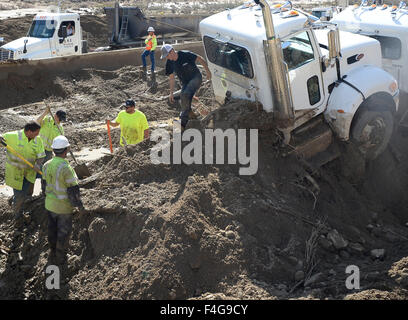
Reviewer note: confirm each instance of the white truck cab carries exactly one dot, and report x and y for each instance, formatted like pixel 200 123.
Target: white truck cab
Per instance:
pixel 301 69
pixel 387 24
pixel 52 34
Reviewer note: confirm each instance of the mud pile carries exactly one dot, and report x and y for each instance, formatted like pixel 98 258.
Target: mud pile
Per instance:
pixel 172 231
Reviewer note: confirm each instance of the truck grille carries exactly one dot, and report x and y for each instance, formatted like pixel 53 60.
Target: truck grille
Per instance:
pixel 6 54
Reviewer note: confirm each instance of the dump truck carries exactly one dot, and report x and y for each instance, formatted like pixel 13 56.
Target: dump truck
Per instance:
pixel 52 34
pixel 128 26
pixel 319 82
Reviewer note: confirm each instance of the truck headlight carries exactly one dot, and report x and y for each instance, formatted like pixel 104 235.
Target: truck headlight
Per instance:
pixel 393 86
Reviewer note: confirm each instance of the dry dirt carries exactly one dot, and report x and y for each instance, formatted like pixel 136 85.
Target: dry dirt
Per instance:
pixel 204 231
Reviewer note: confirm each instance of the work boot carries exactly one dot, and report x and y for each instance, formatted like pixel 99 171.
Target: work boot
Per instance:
pixel 144 73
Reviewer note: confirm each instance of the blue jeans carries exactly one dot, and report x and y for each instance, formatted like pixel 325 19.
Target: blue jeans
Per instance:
pixel 145 54
pixel 19 196
pixel 187 93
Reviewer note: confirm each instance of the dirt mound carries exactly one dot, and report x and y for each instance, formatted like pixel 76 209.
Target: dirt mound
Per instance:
pixel 14 28
pixel 95 30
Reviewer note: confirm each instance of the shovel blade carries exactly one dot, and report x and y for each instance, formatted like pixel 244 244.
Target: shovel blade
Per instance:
pixel 82 171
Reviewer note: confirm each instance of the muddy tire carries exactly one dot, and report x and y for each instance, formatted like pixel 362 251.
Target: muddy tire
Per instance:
pixel 371 132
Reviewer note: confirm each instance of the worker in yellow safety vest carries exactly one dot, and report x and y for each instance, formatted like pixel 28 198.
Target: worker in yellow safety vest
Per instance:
pixel 51 129
pixel 151 44
pixel 133 125
pixel 19 175
pixel 60 185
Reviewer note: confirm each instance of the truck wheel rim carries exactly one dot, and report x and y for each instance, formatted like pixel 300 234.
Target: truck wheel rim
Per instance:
pixel 372 135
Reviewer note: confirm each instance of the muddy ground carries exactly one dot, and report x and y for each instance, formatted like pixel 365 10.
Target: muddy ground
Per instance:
pixel 204 231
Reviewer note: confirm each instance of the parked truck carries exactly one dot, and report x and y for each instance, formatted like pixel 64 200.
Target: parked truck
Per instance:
pixel 56 33
pixel 315 79
pixel 52 34
pixel 387 24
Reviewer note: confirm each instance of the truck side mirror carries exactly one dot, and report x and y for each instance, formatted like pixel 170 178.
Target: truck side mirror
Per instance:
pixel 63 34
pixel 334 44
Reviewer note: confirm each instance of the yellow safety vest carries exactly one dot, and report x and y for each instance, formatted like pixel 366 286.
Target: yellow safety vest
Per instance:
pixel 59 176
pixel 49 130
pixel 151 43
pixel 16 169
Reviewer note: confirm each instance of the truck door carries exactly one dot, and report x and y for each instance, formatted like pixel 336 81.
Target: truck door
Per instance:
pixel 304 71
pixel 68 45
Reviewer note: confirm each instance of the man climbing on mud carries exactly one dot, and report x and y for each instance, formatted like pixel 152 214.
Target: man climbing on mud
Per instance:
pixel 50 129
pixel 20 176
pixel 183 63
pixel 60 185
pixel 133 125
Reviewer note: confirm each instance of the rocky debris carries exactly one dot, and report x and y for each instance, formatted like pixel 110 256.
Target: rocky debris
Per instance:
pixel 313 279
pixel 399 272
pixel 344 254
pixel 337 240
pixel 299 275
pixel 374 294
pixel 378 254
pixel 356 247
pixel 325 243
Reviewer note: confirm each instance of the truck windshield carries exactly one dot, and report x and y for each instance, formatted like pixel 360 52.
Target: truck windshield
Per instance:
pixel 229 56
pixel 42 29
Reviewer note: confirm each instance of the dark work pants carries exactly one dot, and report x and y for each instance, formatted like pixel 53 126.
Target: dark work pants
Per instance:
pixel 19 196
pixel 187 93
pixel 59 231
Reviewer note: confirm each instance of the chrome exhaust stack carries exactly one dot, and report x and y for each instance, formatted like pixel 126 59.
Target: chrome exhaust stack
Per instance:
pixel 277 69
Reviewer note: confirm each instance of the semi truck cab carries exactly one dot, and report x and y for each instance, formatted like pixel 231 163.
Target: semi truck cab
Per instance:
pixel 300 69
pixel 51 34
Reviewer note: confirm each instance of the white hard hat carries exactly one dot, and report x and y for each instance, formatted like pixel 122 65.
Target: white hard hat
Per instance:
pixel 166 48
pixel 60 142
pixel 151 29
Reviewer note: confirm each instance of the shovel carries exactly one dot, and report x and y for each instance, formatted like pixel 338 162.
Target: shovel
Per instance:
pixel 81 170
pixel 20 156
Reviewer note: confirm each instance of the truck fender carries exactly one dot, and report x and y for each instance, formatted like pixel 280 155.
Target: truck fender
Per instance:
pixel 364 87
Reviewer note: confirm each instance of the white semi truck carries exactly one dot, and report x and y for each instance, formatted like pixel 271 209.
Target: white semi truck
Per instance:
pixel 305 72
pixel 52 34
pixel 387 24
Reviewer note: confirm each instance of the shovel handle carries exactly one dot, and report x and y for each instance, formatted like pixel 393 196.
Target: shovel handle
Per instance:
pixel 109 135
pixel 53 117
pixel 21 157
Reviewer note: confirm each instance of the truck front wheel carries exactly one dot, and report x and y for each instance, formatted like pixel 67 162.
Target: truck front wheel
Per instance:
pixel 372 131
